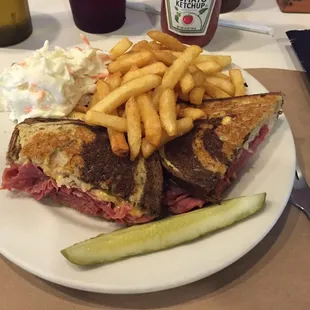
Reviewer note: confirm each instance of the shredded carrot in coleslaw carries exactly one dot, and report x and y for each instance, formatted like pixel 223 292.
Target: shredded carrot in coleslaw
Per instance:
pixel 99 76
pixel 104 57
pixel 69 70
pixel 28 110
pixel 22 63
pixel 41 94
pixel 78 48
pixel 84 39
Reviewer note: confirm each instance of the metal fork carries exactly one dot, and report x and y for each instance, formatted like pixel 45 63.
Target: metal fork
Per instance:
pixel 300 196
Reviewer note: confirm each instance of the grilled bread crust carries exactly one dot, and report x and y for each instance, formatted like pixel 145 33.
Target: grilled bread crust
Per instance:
pixel 77 154
pixel 243 114
pixel 195 161
pixel 198 160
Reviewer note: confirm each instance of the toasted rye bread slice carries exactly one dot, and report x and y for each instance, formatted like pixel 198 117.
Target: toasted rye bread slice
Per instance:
pixel 75 154
pixel 199 160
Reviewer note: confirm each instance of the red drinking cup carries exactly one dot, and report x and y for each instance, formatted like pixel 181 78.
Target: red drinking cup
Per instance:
pixel 98 16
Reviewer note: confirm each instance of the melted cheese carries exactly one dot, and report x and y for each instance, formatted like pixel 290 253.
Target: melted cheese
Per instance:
pixel 135 211
pixel 269 122
pixel 69 181
pixel 102 195
pixel 72 181
pixel 140 180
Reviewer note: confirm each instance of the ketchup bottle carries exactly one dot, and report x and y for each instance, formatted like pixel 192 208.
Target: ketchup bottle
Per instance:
pixel 191 21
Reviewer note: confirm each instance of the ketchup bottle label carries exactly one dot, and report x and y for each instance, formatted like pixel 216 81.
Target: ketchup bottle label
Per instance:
pixel 189 17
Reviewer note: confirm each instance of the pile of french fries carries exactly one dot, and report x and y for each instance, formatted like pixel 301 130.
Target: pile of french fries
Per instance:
pixel 154 92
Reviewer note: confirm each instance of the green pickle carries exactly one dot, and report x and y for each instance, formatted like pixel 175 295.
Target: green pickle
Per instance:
pixel 162 234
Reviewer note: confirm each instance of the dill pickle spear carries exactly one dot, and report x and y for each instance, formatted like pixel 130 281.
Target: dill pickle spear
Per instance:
pixel 163 234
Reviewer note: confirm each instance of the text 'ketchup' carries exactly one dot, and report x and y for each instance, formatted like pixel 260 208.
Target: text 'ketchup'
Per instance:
pixel 191 21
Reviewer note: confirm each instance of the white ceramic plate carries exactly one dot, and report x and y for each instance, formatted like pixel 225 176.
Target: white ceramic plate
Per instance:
pixel 32 234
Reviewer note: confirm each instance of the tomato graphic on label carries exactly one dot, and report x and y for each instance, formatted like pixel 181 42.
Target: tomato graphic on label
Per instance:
pixel 188 19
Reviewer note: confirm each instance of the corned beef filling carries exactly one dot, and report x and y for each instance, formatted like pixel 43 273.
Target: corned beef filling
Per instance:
pixel 29 178
pixel 180 201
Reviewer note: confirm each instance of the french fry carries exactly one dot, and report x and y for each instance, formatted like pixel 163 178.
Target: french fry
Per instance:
pixel 179 66
pixel 77 115
pixel 121 94
pixel 155 45
pixel 103 89
pixel 134 130
pixel 120 48
pixel 179 94
pixel 209 67
pixel 125 56
pixel 94 99
pixel 214 92
pixel 222 60
pixel 80 108
pixel 152 61
pixel 114 80
pixel 169 41
pixel 139 97
pixel 222 84
pixel 124 63
pixel 164 56
pixel 147 148
pixel 199 78
pixel 106 120
pixel 150 119
pixel 196 95
pixel 133 68
pixel 221 75
pixel 184 125
pixel 118 141
pixel 156 95
pixel 175 53
pixel 238 82
pixel 187 83
pixel 140 46
pixel 167 112
pixel 157 68
pixel 192 69
pixel 193 113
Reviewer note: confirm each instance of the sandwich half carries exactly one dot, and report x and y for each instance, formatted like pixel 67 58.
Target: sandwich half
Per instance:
pixel 73 163
pixel 202 164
